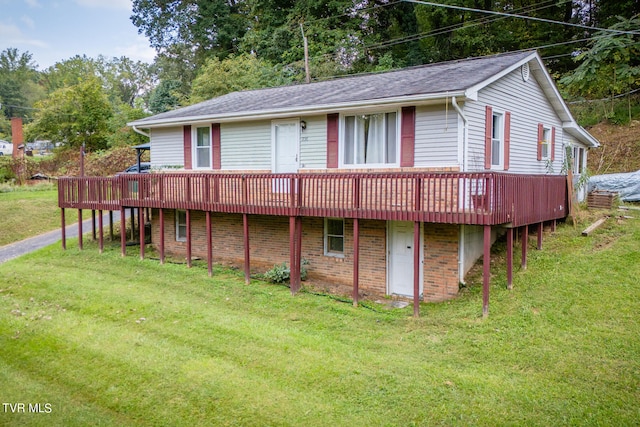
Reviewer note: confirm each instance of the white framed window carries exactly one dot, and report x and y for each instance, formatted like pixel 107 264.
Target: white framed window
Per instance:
pixel 497 140
pixel 181 225
pixel 545 144
pixel 370 139
pixel 202 152
pixel 334 237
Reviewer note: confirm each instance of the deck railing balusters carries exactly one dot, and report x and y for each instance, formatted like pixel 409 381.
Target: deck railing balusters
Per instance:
pixel 470 198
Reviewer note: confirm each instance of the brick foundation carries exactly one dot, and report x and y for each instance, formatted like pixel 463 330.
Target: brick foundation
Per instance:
pixel 269 245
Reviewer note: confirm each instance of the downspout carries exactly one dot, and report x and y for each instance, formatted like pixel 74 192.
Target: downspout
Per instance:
pixel 136 130
pixel 464 169
pixel 464 132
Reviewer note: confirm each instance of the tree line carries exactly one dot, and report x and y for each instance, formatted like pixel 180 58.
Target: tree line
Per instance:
pixel 206 48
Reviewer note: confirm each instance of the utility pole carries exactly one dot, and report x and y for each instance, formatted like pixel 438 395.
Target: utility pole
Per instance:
pixel 306 55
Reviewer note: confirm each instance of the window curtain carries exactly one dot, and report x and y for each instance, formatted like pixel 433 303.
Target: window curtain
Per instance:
pixel 375 148
pixel 370 139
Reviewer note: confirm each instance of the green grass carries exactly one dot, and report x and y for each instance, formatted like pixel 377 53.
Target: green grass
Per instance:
pixel 27 211
pixel 117 341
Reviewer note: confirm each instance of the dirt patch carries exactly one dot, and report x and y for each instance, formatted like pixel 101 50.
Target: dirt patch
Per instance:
pixel 619 149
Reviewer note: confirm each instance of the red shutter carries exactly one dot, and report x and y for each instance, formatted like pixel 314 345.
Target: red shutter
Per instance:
pixel 539 141
pixel 407 137
pixel 216 151
pixel 186 136
pixel 488 133
pixel 507 139
pixel 553 144
pixel 332 140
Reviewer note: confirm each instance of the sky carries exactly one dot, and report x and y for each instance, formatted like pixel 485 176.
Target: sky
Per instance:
pixel 55 30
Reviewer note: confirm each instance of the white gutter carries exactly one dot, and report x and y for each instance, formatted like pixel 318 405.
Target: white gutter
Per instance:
pixel 143 133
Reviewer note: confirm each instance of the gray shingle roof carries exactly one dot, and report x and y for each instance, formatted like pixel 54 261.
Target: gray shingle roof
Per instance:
pixel 428 79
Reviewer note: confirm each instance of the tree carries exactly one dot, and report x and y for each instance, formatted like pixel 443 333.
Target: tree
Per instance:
pixel 120 134
pixel 207 27
pixel 611 66
pixel 18 83
pixel 165 96
pixel 126 80
pixel 69 72
pixel 234 73
pixel 74 115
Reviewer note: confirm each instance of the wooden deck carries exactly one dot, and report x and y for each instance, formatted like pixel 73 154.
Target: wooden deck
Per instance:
pixel 454 198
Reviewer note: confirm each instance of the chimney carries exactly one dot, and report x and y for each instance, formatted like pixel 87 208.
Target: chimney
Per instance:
pixel 16 134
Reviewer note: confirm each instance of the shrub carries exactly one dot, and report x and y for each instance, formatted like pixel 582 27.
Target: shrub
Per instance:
pixel 281 273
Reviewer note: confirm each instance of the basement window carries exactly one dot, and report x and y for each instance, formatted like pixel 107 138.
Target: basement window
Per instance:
pixel 334 237
pixel 181 226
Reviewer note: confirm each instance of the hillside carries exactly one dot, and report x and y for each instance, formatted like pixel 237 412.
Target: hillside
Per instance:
pixel 619 150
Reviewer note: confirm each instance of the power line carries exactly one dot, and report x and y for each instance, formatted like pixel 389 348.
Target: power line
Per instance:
pixel 605 99
pixel 454 27
pixel 512 15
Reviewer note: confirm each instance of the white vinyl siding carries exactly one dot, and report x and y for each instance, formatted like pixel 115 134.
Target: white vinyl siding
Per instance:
pixel 528 106
pixel 313 143
pixel 246 145
pixel 437 135
pixel 167 147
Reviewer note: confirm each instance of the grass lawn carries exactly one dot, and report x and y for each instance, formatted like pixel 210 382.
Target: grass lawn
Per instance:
pixel 104 340
pixel 27 211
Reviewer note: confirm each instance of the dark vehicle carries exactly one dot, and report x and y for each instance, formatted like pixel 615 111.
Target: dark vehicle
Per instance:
pixel 145 167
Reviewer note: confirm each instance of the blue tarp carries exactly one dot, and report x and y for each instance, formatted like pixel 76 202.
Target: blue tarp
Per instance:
pixel 627 185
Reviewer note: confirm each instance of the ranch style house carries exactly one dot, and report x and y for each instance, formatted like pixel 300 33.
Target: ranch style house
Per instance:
pixel 391 183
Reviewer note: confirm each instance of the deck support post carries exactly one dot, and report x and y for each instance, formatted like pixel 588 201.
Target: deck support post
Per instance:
pixel 295 251
pixel 188 215
pixel 161 220
pixel 141 230
pixel 299 251
pixel 247 261
pixel 416 269
pixel 111 225
pixel 509 258
pixel 100 232
pixel 356 260
pixel 123 231
pixel 80 229
pixel 64 229
pixel 553 225
pixel 93 225
pixel 525 244
pixel 540 232
pixel 209 245
pixel 486 270
pixel 133 224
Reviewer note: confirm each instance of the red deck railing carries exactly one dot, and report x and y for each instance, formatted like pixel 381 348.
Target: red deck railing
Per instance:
pixel 455 198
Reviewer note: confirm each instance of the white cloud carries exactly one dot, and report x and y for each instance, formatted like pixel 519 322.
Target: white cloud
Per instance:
pixel 139 51
pixel 28 21
pixel 106 4
pixel 14 36
pixel 33 3
pixel 9 31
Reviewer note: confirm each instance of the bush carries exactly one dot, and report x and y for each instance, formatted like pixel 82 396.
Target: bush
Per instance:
pixel 280 273
pixel 6 172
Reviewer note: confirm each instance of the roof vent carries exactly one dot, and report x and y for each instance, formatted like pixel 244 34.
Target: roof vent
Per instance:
pixel 524 70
